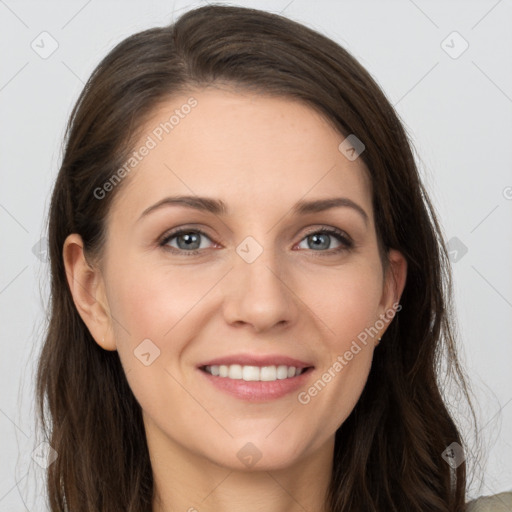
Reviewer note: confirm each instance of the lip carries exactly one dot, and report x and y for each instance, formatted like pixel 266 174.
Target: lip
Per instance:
pixel 257 391
pixel 257 360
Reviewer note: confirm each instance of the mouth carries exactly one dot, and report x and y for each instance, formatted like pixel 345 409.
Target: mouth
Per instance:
pixel 256 378
pixel 252 373
pixel 256 384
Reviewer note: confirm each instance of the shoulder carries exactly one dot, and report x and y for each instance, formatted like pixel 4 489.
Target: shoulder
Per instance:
pixel 498 503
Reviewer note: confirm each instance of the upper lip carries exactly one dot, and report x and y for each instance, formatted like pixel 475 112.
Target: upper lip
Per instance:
pixel 256 360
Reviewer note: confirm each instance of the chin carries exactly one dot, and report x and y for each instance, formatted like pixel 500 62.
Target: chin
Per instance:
pixel 258 454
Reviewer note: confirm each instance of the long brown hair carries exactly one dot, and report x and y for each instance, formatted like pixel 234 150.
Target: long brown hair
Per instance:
pixel 388 453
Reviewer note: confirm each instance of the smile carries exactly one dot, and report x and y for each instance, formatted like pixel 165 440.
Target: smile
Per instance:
pixel 253 373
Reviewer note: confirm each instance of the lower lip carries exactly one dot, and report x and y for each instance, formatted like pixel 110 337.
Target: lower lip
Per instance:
pixel 257 391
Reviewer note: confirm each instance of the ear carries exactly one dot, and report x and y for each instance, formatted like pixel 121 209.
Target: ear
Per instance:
pixel 394 283
pixel 88 291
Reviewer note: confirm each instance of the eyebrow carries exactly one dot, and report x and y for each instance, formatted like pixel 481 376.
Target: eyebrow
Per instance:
pixel 218 207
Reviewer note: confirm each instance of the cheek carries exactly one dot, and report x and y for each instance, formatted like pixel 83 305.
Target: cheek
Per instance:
pixel 346 305
pixel 150 302
pixel 345 301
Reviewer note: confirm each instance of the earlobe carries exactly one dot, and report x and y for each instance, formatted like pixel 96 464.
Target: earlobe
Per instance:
pixel 88 292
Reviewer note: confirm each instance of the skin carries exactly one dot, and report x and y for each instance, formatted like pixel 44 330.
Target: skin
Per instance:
pixel 260 155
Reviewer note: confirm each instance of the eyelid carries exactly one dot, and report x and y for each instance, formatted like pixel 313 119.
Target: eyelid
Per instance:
pixel 172 233
pixel 328 229
pixel 347 243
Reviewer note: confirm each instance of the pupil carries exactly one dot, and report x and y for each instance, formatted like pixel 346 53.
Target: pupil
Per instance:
pixel 190 238
pixel 325 244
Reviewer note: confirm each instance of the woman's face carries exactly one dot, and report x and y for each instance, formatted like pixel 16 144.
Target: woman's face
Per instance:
pixel 254 282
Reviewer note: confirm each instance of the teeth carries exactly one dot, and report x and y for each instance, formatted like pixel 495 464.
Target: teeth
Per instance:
pixel 251 373
pixel 235 371
pixel 268 373
pixel 282 372
pixel 254 373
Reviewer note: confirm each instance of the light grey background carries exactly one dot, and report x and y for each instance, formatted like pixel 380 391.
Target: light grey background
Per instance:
pixel 457 110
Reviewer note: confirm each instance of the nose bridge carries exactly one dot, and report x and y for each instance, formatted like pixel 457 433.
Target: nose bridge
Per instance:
pixel 260 295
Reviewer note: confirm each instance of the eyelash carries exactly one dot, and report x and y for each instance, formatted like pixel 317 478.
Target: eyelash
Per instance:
pixel 346 243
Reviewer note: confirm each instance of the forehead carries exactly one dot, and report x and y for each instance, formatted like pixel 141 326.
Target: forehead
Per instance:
pixel 251 150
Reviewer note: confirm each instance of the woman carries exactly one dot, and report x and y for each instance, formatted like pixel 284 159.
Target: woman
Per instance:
pixel 250 290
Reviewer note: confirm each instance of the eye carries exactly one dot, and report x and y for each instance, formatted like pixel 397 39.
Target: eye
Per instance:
pixel 188 241
pixel 321 239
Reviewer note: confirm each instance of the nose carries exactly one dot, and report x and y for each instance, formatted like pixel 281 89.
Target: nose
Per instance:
pixel 259 294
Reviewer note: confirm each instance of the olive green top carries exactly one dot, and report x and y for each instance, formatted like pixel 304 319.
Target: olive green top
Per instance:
pixel 498 503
